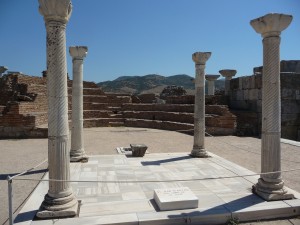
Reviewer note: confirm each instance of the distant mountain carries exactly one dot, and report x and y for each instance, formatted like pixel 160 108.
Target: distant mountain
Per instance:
pixel 151 83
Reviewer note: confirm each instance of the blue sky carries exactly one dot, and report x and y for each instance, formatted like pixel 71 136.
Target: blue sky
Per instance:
pixel 139 37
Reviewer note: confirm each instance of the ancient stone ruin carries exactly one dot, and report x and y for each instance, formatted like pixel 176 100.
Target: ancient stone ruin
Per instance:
pixel 23 107
pixel 28 118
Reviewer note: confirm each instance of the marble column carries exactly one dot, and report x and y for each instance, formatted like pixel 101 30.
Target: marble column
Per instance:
pixel 271 186
pixel 77 152
pixel 60 200
pixel 228 74
pixel 200 59
pixel 2 70
pixel 211 83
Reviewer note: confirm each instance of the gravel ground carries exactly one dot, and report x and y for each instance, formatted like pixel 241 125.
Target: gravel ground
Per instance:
pixel 20 155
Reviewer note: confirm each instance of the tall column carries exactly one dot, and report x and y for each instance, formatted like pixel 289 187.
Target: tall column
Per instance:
pixel 77 152
pixel 271 186
pixel 200 59
pixel 211 83
pixel 228 74
pixel 60 200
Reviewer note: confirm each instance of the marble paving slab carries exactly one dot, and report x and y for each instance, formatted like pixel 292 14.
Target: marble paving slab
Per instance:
pixel 123 187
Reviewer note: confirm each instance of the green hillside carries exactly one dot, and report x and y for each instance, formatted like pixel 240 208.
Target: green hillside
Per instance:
pixel 150 83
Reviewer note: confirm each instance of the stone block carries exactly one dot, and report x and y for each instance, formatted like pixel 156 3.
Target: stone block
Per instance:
pixel 259 94
pixel 246 94
pixel 258 81
pixel 290 66
pixel 252 82
pixel 240 95
pixel 138 150
pixel 290 106
pixel 239 105
pixel 233 95
pixel 258 106
pixel 175 198
pixel 234 84
pixel 253 94
pixel 288 93
pixel 246 83
pixel 290 80
pixel 240 83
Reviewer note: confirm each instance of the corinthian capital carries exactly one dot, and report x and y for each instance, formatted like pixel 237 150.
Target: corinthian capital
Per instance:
pixel 201 57
pixel 271 24
pixel 55 10
pixel 78 52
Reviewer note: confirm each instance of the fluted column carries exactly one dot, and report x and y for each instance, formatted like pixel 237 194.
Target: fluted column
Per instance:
pixel 77 152
pixel 271 186
pixel 211 83
pixel 228 74
pixel 60 200
pixel 200 59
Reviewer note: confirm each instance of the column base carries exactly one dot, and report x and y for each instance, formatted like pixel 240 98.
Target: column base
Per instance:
pixel 78 156
pixel 199 153
pixel 52 208
pixel 271 191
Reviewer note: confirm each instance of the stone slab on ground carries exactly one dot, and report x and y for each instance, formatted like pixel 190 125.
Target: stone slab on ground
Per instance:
pixel 175 198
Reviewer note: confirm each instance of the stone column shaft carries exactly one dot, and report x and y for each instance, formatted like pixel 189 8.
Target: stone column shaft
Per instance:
pixel 211 87
pixel 211 83
pixel 60 200
pixel 200 59
pixel 58 127
pixel 199 106
pixel 271 186
pixel 77 146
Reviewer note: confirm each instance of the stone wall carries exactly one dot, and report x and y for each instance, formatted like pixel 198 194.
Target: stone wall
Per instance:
pixel 179 117
pixel 189 99
pixel 246 101
pixel 23 109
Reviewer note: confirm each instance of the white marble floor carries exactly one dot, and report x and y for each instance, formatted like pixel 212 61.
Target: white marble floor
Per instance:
pixel 122 192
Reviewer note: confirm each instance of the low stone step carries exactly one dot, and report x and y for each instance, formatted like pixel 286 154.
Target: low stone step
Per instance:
pixel 100 122
pixel 116 115
pixel 96 114
pixel 116 124
pixel 158 115
pixel 158 124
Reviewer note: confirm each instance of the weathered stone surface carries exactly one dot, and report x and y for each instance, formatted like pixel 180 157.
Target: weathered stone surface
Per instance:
pixel 200 59
pixel 138 150
pixel 60 200
pixel 77 152
pixel 175 198
pixel 270 186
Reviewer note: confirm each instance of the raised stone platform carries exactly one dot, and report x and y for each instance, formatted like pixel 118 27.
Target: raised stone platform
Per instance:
pixel 123 189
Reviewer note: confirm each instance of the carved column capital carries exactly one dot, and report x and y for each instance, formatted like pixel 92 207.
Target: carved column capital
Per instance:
pixel 228 73
pixel 211 77
pixel 200 58
pixel 55 10
pixel 78 52
pixel 271 25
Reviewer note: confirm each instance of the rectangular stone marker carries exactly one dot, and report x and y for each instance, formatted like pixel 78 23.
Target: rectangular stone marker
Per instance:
pixel 175 198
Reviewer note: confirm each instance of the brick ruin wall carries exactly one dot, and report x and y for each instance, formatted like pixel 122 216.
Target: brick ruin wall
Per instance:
pixel 23 109
pixel 245 101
